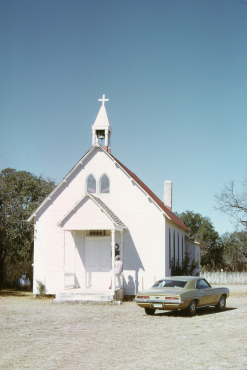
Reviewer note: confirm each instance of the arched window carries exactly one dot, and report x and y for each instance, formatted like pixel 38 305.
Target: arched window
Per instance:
pixel 104 184
pixel 174 252
pixel 91 184
pixel 182 248
pixel 170 252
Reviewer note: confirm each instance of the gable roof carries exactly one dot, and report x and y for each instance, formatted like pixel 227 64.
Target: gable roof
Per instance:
pixel 108 212
pixel 111 215
pixel 154 197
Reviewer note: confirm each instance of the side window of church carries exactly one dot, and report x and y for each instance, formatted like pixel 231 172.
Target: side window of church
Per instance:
pixel 170 252
pixel 104 184
pixel 174 243
pixel 91 184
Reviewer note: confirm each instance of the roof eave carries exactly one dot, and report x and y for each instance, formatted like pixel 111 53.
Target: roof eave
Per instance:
pixel 80 163
pixel 117 227
pixel 64 181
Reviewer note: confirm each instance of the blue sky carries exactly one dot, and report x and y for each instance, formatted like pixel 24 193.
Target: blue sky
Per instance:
pixel 175 75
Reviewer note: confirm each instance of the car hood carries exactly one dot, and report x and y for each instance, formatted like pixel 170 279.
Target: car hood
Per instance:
pixel 161 291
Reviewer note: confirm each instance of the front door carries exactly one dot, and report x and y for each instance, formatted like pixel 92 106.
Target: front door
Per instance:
pixel 98 261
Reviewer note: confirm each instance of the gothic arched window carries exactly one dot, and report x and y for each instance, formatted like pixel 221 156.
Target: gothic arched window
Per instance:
pixel 91 184
pixel 182 248
pixel 170 252
pixel 174 252
pixel 104 184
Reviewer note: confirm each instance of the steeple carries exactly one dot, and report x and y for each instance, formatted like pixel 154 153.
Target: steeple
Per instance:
pixel 101 128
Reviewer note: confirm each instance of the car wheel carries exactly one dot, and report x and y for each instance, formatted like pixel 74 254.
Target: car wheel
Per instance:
pixel 149 311
pixel 191 309
pixel 221 305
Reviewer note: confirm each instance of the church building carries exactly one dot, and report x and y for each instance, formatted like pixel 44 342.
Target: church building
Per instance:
pixel 99 210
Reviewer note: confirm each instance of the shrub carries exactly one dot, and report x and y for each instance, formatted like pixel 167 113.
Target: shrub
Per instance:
pixel 41 289
pixel 185 268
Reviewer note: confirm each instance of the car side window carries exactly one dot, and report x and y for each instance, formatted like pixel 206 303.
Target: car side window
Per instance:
pixel 202 284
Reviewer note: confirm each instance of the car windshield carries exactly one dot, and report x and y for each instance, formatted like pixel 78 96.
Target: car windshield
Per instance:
pixel 170 284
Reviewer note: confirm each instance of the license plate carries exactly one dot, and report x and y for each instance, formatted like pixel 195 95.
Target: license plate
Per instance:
pixel 158 305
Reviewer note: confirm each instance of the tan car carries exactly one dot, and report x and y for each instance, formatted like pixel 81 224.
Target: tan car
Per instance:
pixel 181 293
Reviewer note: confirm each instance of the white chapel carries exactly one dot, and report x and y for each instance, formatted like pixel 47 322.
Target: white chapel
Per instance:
pixel 99 210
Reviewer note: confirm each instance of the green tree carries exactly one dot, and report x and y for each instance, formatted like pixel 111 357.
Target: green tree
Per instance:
pixel 235 250
pixel 185 268
pixel 203 231
pixel 20 194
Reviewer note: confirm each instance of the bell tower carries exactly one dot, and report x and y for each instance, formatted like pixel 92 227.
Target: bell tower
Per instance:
pixel 101 129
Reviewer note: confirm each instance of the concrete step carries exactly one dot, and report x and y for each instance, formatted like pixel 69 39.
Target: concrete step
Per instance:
pixel 89 295
pixel 84 297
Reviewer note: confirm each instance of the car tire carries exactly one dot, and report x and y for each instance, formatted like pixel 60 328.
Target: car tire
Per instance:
pixel 149 311
pixel 191 309
pixel 221 305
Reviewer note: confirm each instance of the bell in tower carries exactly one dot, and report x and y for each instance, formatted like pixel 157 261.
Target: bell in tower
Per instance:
pixel 101 128
pixel 100 134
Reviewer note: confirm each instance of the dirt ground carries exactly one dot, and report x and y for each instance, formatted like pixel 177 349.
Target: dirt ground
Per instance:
pixel 38 334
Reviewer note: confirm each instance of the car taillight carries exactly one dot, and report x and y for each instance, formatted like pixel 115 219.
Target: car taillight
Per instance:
pixel 143 297
pixel 172 298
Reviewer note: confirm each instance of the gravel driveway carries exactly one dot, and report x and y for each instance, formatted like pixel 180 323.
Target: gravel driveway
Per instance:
pixel 37 334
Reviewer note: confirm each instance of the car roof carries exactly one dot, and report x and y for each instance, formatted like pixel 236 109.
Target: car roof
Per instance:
pixel 181 278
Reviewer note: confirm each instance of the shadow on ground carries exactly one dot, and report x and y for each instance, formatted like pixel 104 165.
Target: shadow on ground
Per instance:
pixel 199 312
pixel 15 293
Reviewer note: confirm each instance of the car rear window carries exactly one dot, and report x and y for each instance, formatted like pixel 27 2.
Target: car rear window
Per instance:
pixel 170 284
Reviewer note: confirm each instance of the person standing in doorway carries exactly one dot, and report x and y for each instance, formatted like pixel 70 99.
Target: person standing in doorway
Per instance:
pixel 118 268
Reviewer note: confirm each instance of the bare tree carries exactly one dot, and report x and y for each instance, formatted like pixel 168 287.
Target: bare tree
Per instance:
pixel 234 204
pixel 235 250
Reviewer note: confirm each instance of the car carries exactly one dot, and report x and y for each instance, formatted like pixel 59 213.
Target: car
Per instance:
pixel 182 293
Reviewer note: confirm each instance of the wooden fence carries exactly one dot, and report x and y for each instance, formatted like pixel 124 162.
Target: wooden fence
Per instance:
pixel 223 277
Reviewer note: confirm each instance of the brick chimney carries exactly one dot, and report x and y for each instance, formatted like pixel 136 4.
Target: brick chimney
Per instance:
pixel 168 194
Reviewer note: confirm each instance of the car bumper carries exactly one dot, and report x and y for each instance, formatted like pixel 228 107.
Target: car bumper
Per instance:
pixel 161 304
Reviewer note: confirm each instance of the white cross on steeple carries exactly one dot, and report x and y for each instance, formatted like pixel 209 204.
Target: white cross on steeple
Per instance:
pixel 101 125
pixel 103 100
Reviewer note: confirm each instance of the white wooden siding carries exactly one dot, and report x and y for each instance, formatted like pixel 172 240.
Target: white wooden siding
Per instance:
pixel 144 241
pixel 87 216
